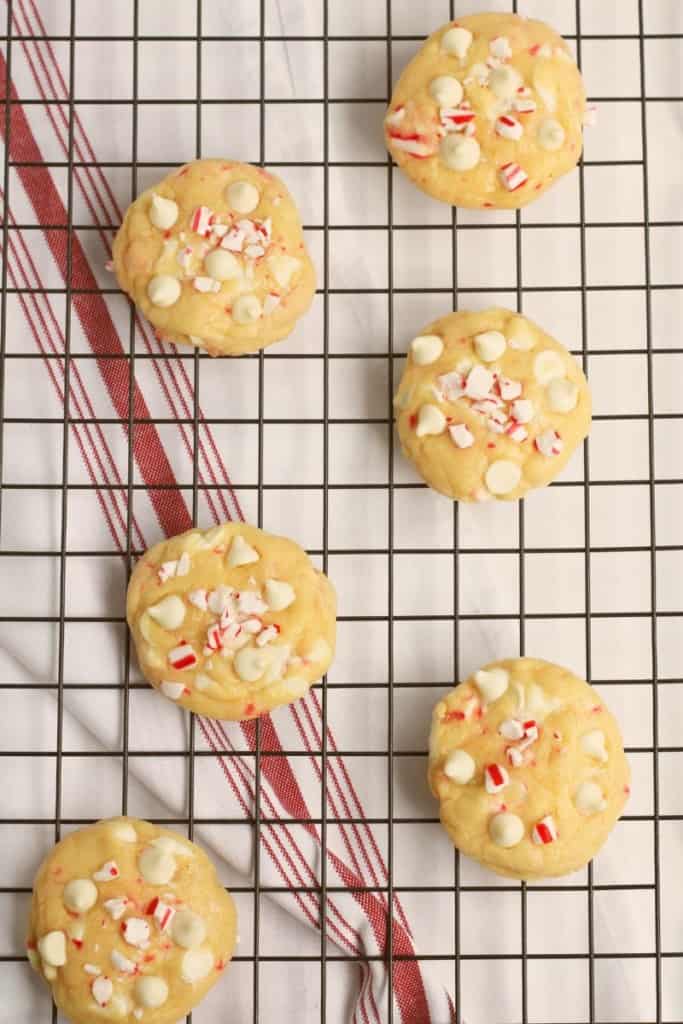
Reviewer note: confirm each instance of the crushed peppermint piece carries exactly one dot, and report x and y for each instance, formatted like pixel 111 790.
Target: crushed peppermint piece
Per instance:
pixel 509 127
pixel 396 116
pixel 270 303
pixel 206 284
pixel 182 657
pixel 457 118
pixel 549 443
pixel 544 831
pixel 522 410
pixel 495 778
pixel 461 435
pixel 116 907
pixel 511 729
pixel 479 382
pixel 122 963
pixel 413 144
pixel 201 221
pixel 509 389
pixel 233 241
pixel 108 871
pixel 162 913
pixel 172 690
pixel 523 102
pixel 91 969
pixel 198 598
pixel 512 176
pixel 166 571
pixel 266 635
pixel 102 989
pixel 514 756
pixel 136 932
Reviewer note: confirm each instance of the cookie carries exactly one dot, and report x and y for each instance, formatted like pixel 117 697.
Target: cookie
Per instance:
pixel 529 767
pixel 231 622
pixel 490 406
pixel 214 256
pixel 129 923
pixel 489 113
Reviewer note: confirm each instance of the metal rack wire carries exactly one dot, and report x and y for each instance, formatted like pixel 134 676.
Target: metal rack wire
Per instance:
pixel 135 357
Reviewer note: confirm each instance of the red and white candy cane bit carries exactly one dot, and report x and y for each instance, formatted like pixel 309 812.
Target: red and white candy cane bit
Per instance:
pixel 516 432
pixel 549 443
pixel 457 118
pixel 201 221
pixel 509 127
pixel 166 571
pixel 512 176
pixel 544 831
pixel 511 729
pixel 414 144
pixel 524 103
pixel 514 756
pixel 495 778
pixel 531 733
pixel 182 657
pixel 396 116
pixel 214 639
pixel 162 913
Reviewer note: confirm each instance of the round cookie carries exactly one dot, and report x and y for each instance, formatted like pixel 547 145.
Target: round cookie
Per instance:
pixel 490 406
pixel 231 622
pixel 489 113
pixel 529 768
pixel 214 256
pixel 129 923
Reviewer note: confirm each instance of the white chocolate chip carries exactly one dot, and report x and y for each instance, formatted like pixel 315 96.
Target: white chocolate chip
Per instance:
pixel 283 268
pixel 446 90
pixel 80 894
pixel 589 798
pixel 92 969
pixel 169 612
pixel 593 744
pixel 250 663
pixel 222 265
pixel 504 82
pixel 242 196
pixel 457 41
pixel 124 832
pixel 175 846
pixel 163 290
pixel 278 594
pixel 548 366
pixel 503 476
pixel 202 681
pixel 491 683
pixel 426 349
pixel 246 309
pixel 459 767
pixel 196 964
pixel 506 829
pixel 48 971
pixel 187 929
pixel 550 134
pixel 163 213
pixel 460 152
pixel 136 932
pixel 122 963
pixel 33 959
pixel 52 949
pixel 489 346
pixel 520 334
pixel 102 989
pixel 151 991
pixel 562 395
pixel 241 553
pixel 156 866
pixel 430 420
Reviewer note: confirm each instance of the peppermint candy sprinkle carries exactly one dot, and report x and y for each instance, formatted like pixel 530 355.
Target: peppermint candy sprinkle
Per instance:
pixel 508 127
pixel 461 435
pixel 116 907
pixel 544 831
pixel 108 871
pixel 182 657
pixel 162 913
pixel 549 443
pixel 456 119
pixel 136 932
pixel 412 144
pixel 202 220
pixel 512 176
pixel 495 778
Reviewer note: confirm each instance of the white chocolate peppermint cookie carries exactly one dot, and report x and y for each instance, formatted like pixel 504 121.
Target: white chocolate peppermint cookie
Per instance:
pixel 214 256
pixel 490 406
pixel 231 622
pixel 489 113
pixel 116 939
pixel 529 768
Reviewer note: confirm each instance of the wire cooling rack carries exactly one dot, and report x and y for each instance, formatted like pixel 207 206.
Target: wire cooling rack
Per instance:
pixel 577 573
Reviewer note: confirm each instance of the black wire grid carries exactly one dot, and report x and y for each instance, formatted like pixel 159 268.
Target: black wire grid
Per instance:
pixel 389 488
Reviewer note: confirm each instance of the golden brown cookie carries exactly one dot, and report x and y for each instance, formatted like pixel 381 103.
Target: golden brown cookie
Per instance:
pixel 529 767
pixel 214 256
pixel 489 113
pixel 490 406
pixel 129 923
pixel 231 622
